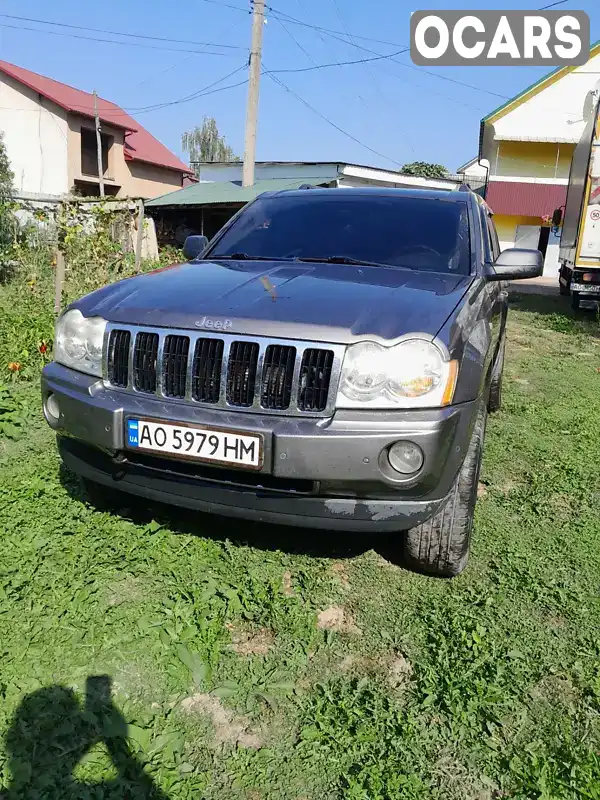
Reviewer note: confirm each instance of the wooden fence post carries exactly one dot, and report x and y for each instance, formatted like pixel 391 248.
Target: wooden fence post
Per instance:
pixel 140 235
pixel 59 277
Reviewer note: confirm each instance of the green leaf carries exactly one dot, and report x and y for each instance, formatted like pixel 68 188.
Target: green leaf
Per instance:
pixel 199 669
pixel 140 736
pixel 224 691
pixel 164 637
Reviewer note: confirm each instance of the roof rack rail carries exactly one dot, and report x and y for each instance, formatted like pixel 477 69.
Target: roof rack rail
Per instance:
pixel 308 186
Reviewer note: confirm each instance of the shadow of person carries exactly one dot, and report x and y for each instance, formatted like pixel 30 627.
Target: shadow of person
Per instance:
pixel 51 733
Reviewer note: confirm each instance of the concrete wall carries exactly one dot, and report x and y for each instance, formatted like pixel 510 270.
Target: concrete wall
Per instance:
pixel 134 178
pixel 149 180
pixel 35 134
pixel 233 171
pixel 557 113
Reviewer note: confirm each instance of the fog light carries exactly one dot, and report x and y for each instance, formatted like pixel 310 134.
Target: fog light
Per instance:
pixel 52 407
pixel 405 457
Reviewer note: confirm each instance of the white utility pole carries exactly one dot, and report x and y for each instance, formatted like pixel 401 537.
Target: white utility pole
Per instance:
pixel 98 145
pixel 258 20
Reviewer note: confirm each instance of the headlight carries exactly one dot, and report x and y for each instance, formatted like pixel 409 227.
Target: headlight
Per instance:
pixel 79 341
pixel 412 374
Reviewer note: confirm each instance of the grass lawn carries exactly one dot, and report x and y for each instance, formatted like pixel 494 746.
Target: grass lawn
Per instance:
pixel 253 662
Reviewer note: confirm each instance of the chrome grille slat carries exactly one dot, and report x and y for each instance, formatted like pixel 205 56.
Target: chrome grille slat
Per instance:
pixel 252 374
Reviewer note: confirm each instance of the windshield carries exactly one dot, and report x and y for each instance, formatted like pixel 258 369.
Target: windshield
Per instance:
pixel 396 231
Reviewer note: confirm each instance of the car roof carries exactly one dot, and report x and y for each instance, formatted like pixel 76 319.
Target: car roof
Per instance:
pixel 378 191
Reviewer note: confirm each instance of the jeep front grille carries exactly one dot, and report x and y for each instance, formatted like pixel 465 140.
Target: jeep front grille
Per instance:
pixel 226 371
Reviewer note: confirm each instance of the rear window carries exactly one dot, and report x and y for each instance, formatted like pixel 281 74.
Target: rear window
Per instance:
pixel 397 231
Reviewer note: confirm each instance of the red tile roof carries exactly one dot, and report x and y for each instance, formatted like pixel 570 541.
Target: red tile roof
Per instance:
pixel 140 145
pixel 525 199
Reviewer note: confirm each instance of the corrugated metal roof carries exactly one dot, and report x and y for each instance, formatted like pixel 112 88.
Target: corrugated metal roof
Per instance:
pixel 220 192
pixel 525 199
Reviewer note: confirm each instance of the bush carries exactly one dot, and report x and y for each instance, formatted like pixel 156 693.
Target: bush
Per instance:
pixel 93 258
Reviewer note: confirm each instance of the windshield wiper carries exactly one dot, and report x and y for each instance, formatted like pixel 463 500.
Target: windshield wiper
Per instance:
pixel 357 262
pixel 245 257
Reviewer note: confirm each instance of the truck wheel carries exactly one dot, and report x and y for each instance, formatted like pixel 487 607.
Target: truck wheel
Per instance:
pixel 564 290
pixel 103 498
pixel 441 545
pixel 495 399
pixel 575 305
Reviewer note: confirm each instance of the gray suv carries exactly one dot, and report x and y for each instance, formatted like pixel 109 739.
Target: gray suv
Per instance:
pixel 328 360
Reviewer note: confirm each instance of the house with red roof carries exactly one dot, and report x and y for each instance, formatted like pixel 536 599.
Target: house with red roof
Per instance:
pixel 49 132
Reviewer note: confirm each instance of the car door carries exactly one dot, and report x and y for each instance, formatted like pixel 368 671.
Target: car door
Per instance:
pixel 494 290
pixel 502 286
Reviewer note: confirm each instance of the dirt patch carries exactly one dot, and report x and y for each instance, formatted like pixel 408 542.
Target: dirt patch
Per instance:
pixel 125 590
pixel 228 728
pixel 341 573
pixel 481 490
pixel 521 381
pixel 555 690
pixel 399 672
pixel 252 643
pixel 336 618
pixel 286 584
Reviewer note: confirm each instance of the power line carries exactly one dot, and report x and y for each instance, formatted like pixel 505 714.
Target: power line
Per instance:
pixel 177 64
pixel 111 41
pixel 122 33
pixel 332 64
pixel 327 120
pixel 335 35
pixel 558 3
pixel 295 21
pixel 370 73
pixel 192 96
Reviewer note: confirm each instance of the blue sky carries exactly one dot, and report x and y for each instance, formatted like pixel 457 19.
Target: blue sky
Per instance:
pixel 396 109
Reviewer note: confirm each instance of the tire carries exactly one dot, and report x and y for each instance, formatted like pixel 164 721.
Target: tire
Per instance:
pixel 103 498
pixel 440 546
pixel 564 290
pixel 575 305
pixel 495 398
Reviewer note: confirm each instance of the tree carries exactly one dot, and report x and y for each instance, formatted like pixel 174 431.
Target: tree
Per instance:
pixel 422 169
pixel 7 218
pixel 205 143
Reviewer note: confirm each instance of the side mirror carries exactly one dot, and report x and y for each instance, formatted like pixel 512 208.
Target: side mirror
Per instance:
pixel 193 246
pixel 557 217
pixel 516 264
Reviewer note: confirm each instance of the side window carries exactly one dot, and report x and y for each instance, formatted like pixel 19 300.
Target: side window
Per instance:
pixel 493 237
pixel 485 233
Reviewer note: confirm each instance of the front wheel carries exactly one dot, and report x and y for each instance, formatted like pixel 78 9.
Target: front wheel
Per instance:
pixel 564 290
pixel 440 546
pixel 575 301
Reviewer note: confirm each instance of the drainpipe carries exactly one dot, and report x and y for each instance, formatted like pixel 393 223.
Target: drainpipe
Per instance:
pixel 480 159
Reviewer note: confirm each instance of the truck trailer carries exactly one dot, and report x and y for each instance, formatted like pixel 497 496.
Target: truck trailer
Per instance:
pixel 579 273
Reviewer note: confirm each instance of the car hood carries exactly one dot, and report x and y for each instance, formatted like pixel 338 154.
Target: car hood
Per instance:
pixel 323 302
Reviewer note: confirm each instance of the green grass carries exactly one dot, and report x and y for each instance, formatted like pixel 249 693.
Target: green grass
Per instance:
pixel 223 684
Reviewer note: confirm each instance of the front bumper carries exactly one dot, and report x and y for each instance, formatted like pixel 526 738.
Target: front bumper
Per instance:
pixel 327 473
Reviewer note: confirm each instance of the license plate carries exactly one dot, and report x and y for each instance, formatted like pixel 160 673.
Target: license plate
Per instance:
pixel 588 288
pixel 232 448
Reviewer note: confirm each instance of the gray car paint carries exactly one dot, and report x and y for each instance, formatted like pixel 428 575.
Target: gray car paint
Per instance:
pixel 321 302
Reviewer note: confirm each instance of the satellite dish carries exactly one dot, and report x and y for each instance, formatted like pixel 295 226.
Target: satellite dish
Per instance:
pixel 591 101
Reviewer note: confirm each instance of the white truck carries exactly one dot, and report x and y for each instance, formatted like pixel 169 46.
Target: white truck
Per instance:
pixel 579 274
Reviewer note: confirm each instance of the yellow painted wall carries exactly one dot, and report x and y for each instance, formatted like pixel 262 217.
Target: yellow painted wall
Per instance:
pixel 506 225
pixel 532 159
